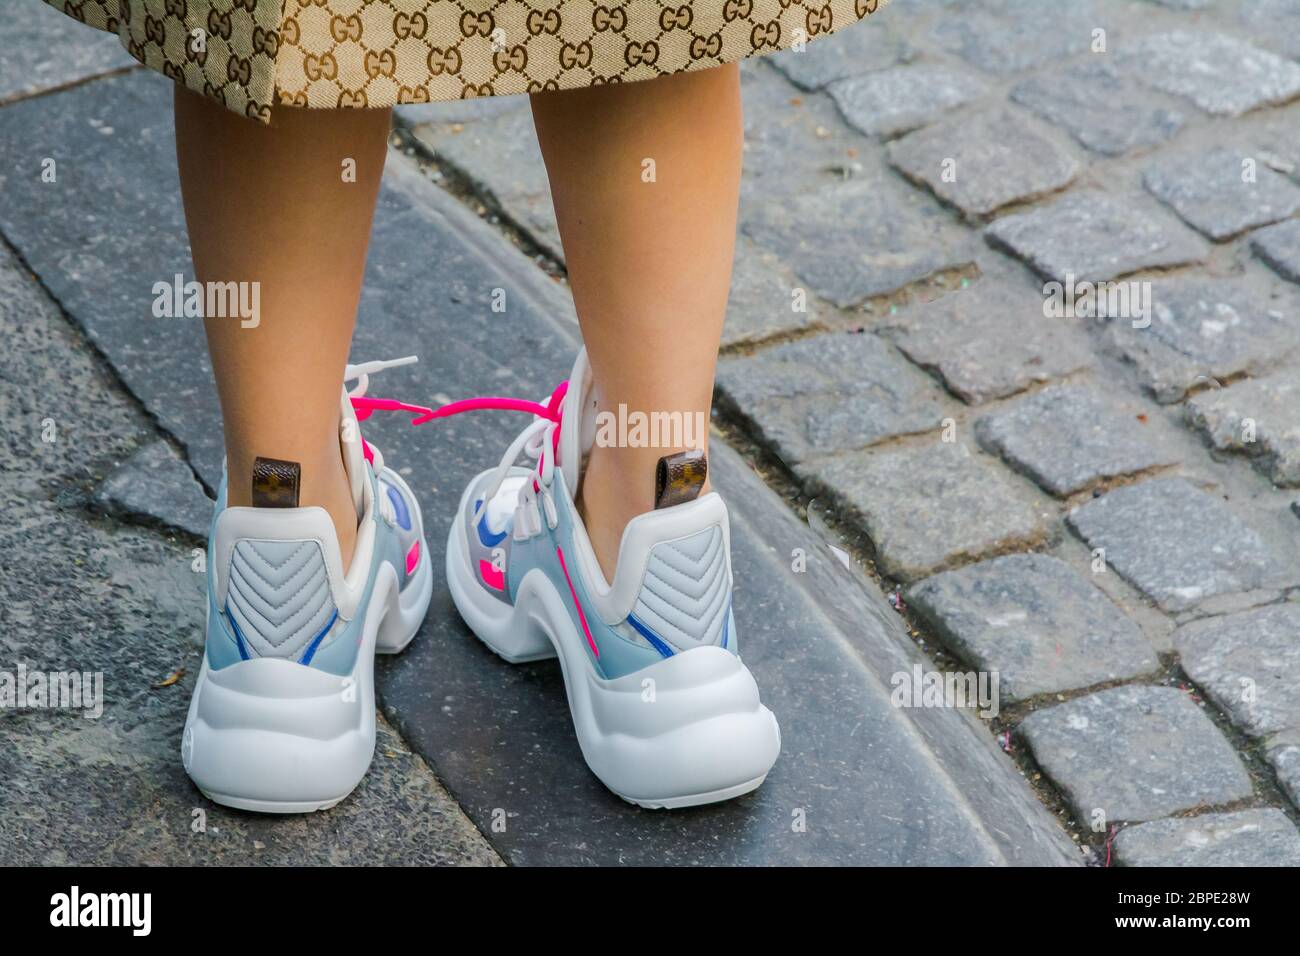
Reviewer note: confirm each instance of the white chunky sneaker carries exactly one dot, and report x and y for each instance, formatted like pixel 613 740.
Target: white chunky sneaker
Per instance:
pixel 283 714
pixel 666 713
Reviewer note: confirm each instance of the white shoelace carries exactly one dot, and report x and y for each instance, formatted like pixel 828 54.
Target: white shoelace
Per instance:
pixel 536 441
pixel 361 374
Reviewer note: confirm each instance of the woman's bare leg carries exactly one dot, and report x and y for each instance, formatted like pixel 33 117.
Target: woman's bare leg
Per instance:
pixel 645 178
pixel 279 205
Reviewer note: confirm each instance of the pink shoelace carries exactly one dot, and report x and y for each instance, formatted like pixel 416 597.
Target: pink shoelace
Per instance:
pixel 548 415
pixel 539 438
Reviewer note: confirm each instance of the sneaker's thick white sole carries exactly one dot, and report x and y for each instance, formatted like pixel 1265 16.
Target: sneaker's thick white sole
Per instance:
pixel 686 731
pixel 273 736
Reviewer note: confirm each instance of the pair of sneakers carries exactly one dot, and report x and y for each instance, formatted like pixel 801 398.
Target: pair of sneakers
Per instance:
pixel 283 714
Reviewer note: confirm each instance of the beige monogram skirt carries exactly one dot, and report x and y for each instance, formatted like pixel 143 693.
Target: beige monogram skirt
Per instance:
pixel 248 54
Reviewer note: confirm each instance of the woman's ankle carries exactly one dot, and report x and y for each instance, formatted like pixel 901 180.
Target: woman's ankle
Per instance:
pixel 608 500
pixel 618 484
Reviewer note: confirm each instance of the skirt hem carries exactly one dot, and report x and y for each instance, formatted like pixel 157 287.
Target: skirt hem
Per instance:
pixel 341 54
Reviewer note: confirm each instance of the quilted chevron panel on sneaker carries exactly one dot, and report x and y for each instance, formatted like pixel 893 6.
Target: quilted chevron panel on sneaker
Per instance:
pixel 279 595
pixel 686 590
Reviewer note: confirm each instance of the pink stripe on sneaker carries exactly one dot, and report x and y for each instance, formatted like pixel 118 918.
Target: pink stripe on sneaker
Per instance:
pixel 581 617
pixel 413 557
pixel 491 575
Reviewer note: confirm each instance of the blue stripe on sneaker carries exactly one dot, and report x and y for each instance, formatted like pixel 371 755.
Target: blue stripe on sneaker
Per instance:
pixel 655 640
pixel 488 539
pixel 315 641
pixel 399 506
pixel 239 638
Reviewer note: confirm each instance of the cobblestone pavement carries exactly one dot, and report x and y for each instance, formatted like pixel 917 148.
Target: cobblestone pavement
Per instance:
pixel 1105 512
pixel 1102 510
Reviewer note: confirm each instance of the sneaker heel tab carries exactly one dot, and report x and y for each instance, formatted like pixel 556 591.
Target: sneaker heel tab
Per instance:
pixel 680 477
pixel 276 483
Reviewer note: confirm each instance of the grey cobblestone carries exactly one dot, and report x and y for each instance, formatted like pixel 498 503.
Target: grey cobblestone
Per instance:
pixel 982 161
pixel 932 507
pixel 1034 621
pixel 845 53
pixel 1260 418
pixel 1135 753
pixel 1285 759
pixel 1214 193
pixel 1245 838
pixel 156 484
pixel 1219 73
pixel 828 394
pixel 903 98
pixel 1249 664
pixel 794 143
pixel 32 36
pixel 1202 332
pixel 990 341
pixel 1023 40
pixel 1068 438
pixel 1175 543
pixel 1095 236
pixel 1273 23
pixel 1279 246
pixel 1276 134
pixel 762 300
pixel 1104 110
pixel 865 237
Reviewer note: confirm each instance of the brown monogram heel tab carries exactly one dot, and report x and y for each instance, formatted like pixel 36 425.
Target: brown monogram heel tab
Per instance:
pixel 275 483
pixel 680 478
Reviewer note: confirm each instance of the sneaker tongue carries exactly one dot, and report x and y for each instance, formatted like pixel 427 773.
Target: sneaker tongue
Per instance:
pixel 578 417
pixel 354 459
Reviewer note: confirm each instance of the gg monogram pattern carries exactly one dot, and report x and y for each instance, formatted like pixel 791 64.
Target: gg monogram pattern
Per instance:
pixel 225 49
pixel 331 54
